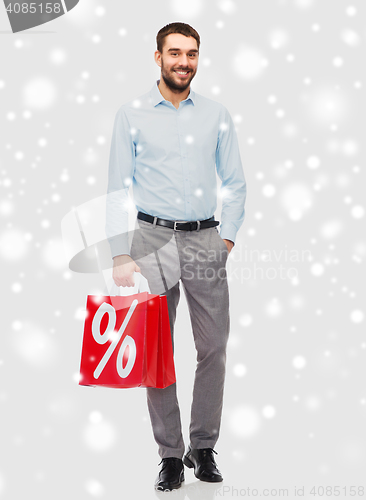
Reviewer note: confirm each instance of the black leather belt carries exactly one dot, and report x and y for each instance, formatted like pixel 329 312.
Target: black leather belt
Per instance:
pixel 179 226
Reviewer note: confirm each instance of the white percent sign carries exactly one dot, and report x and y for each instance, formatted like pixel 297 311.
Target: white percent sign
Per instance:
pixel 116 336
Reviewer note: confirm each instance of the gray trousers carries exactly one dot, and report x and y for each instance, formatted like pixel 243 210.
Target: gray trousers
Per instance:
pixel 198 260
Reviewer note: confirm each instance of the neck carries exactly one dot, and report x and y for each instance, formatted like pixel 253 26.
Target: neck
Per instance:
pixel 175 96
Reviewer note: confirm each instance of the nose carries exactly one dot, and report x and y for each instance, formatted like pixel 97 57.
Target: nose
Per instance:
pixel 183 61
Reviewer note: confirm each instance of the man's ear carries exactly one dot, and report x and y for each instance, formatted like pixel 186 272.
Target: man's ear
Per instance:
pixel 157 57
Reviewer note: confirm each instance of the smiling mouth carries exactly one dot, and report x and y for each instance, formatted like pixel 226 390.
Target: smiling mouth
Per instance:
pixel 181 73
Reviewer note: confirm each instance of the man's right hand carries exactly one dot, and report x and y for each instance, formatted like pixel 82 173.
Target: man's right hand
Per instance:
pixel 123 268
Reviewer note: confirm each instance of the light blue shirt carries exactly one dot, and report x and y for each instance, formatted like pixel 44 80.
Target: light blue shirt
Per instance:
pixel 170 157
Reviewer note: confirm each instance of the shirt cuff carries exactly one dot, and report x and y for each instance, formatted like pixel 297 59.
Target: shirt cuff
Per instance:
pixel 119 245
pixel 228 232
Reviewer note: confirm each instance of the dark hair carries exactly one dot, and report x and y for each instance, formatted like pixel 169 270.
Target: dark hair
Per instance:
pixel 182 28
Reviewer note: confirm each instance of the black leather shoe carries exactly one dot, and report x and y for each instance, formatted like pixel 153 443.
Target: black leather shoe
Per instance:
pixel 204 464
pixel 171 474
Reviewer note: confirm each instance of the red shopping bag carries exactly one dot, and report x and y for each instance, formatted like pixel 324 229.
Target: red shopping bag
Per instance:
pixel 121 342
pixel 164 375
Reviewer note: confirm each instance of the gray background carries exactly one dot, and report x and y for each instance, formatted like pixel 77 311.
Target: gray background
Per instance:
pixel 291 74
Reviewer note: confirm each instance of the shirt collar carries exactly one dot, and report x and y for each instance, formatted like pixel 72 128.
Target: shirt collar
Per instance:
pixel 158 98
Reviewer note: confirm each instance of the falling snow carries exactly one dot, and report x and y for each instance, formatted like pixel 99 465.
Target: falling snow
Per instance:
pixel 295 399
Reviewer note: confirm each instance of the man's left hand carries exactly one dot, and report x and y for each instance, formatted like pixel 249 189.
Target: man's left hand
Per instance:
pixel 229 244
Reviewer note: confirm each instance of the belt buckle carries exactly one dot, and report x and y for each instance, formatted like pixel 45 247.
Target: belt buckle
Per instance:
pixel 187 222
pixel 179 222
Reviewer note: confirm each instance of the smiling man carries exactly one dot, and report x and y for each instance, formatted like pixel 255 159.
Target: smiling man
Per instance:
pixel 178 67
pixel 169 144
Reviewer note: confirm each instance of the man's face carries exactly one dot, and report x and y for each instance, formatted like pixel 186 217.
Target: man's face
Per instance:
pixel 180 55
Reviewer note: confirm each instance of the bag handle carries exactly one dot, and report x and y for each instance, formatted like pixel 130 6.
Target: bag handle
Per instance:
pixel 141 285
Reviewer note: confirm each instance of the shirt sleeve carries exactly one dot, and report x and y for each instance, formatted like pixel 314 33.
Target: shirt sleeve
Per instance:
pixel 120 175
pixel 230 171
